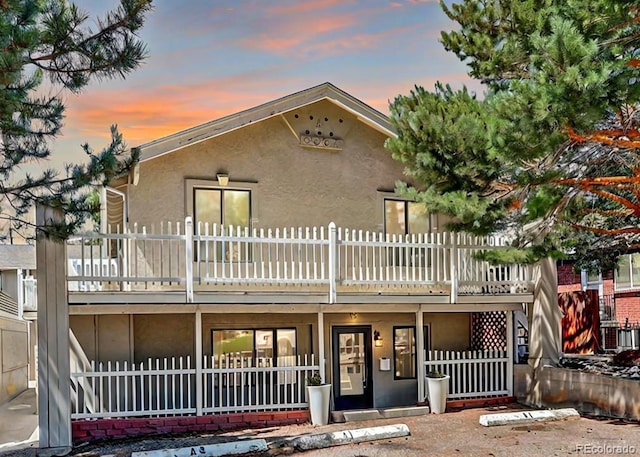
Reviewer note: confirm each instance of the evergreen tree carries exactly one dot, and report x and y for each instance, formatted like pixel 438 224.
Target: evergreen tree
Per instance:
pixel 53 39
pixel 550 153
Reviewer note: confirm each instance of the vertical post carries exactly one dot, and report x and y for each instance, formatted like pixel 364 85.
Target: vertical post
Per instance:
pixel 454 268
pixel 198 338
pixel 510 358
pixel 420 371
pixel 333 262
pixel 321 355
pixel 54 377
pixel 188 257
pixel 20 292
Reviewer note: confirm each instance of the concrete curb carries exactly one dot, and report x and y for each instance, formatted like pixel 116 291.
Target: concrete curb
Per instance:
pixel 210 450
pixel 324 440
pixel 523 417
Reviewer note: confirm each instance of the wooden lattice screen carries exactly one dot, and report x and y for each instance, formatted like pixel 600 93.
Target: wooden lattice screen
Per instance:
pixel 489 330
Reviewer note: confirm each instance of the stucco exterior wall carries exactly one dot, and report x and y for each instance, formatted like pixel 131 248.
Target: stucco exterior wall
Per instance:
pixel 293 186
pixel 103 338
pixel 14 354
pixel 159 336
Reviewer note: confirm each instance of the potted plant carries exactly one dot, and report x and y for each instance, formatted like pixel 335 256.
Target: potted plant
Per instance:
pixel 319 395
pixel 438 388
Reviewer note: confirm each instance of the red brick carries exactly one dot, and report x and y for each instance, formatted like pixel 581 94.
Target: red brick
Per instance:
pixel 221 419
pixel 164 429
pixel 98 433
pixel 121 424
pixel 172 421
pixel 156 422
pixel 251 417
pixel 138 423
pixel 235 418
pixel 114 432
pixel 203 420
pixel 265 417
pixel 197 428
pixel 258 424
pixel 80 433
pixel 298 414
pixel 233 426
pixel 87 425
pixel 212 427
pixel 179 429
pixel 187 421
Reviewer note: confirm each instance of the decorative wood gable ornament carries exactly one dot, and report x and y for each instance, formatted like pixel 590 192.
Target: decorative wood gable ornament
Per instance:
pixel 321 125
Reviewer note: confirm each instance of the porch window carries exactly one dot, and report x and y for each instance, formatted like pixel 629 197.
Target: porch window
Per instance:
pixel 404 352
pixel 226 207
pixel 627 275
pixel 402 217
pixel 268 346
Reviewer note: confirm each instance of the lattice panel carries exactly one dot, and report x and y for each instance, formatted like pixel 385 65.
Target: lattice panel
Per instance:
pixel 489 330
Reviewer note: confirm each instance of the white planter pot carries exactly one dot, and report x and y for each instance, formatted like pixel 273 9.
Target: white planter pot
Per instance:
pixel 319 397
pixel 438 388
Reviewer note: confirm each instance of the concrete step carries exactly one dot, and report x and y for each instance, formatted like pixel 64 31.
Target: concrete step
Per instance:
pixel 404 412
pixel 361 415
pixel 382 413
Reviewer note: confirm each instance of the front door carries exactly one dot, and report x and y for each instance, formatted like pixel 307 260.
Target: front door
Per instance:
pixel 352 363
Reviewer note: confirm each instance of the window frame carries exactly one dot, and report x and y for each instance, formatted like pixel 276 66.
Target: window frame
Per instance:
pixel 274 343
pixel 415 352
pixel 406 203
pixel 632 285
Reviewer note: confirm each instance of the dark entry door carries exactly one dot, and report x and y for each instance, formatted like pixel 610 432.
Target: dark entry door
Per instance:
pixel 352 367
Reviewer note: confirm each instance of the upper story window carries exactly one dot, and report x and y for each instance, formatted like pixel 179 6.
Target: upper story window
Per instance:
pixel 222 206
pixel 628 272
pixel 402 217
pixel 226 207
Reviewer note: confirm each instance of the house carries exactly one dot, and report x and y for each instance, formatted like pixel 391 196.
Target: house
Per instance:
pixel 618 299
pixel 244 254
pixel 17 335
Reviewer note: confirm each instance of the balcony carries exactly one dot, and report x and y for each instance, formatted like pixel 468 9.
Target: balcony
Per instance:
pixel 328 264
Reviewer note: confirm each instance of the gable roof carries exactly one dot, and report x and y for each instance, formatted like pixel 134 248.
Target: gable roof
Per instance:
pixel 326 91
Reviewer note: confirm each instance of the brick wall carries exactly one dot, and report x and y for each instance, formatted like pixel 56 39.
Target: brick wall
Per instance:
pixel 628 307
pixel 90 430
pixel 568 280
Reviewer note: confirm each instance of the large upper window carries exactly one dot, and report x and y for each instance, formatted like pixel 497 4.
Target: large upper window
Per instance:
pixel 628 272
pixel 222 206
pixel 402 217
pixel 226 207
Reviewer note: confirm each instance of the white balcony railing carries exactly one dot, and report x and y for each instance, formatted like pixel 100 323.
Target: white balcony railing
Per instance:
pixel 331 260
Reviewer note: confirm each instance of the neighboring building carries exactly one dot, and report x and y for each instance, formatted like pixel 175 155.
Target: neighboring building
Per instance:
pixel 619 291
pixel 17 336
pixel 266 245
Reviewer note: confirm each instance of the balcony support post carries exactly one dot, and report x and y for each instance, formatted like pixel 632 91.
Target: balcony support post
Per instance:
pixel 188 258
pixel 198 353
pixel 422 356
pixel 454 268
pixel 510 352
pixel 333 262
pixel 54 374
pixel 321 355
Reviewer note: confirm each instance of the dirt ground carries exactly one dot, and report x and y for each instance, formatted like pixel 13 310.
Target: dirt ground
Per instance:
pixel 450 434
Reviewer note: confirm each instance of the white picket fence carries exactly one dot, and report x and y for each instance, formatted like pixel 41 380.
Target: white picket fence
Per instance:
pixel 473 374
pixel 168 387
pixel 179 257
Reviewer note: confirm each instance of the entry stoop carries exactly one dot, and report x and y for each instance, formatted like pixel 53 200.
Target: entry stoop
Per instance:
pixel 390 413
pixel 358 415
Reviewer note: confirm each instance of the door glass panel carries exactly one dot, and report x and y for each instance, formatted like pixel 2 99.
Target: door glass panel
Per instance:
pixel 236 208
pixel 352 364
pixel 623 273
pixel 394 219
pixel 418 218
pixel 207 206
pixel 264 344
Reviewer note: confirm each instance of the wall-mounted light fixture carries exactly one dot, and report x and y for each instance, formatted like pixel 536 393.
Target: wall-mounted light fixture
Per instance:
pixel 377 339
pixel 353 316
pixel 223 179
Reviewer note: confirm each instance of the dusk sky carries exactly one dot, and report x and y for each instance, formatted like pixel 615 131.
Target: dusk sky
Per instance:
pixel 210 58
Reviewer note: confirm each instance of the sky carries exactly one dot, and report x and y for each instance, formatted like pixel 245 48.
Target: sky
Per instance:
pixel 210 58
